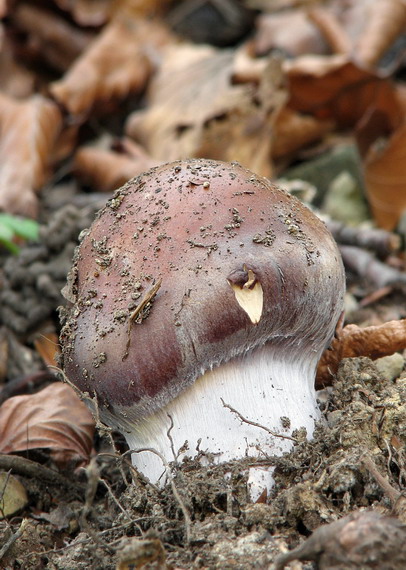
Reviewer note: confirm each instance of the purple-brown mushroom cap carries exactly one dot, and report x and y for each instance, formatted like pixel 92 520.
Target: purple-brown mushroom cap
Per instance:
pixel 188 266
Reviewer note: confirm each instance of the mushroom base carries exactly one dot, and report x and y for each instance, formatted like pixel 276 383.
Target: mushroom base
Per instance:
pixel 273 390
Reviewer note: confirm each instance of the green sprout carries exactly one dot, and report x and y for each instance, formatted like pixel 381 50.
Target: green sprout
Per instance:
pixel 12 227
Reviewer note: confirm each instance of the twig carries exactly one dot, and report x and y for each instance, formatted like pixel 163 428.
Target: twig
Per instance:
pixel 382 242
pixel 392 493
pixel 367 266
pixel 255 424
pixel 13 538
pixel 114 498
pixel 29 468
pixel 186 516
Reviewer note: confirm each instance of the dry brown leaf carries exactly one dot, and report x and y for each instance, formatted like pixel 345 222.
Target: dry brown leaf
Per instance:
pixel 141 8
pixel 195 109
pixel 106 170
pixel 290 31
pixel 28 133
pixel 15 80
pixel 48 36
pixel 335 88
pixel 293 131
pixel 47 346
pixel 116 64
pixel 331 29
pixel 386 21
pixel 385 178
pixel 54 418
pixel 372 342
pixel 88 12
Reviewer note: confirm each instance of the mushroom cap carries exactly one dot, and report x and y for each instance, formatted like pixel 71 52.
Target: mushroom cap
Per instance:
pixel 187 266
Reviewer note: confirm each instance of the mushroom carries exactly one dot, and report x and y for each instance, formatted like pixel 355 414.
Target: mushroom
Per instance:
pixel 202 298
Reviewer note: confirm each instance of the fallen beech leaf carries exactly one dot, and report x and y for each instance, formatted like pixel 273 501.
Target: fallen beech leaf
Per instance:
pixel 293 131
pixel 15 80
pixel 331 28
pixel 195 109
pixel 117 63
pixel 386 21
pixel 49 37
pixel 28 133
pixel 54 418
pixel 47 346
pixel 385 178
pixel 106 170
pixel 87 12
pixel 290 31
pixel 336 88
pixel 373 342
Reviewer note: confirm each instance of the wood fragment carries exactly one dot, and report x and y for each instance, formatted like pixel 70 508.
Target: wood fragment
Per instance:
pixel 365 264
pixel 28 468
pixel 380 241
pixel 13 538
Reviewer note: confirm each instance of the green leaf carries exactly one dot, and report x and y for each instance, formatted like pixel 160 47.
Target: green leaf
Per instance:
pixel 13 226
pixel 22 227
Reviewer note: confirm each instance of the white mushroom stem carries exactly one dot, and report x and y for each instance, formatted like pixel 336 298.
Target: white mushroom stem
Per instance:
pixel 265 386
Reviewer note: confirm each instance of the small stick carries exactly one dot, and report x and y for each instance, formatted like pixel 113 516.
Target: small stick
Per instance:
pixel 251 423
pixel 28 468
pixel 186 516
pixel 13 538
pixel 382 481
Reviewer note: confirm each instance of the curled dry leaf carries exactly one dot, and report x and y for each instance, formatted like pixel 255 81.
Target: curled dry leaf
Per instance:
pixel 294 131
pixel 385 178
pixel 106 170
pixel 347 92
pixel 29 130
pixel 195 109
pixel 49 37
pixel 331 29
pixel 352 341
pixel 87 12
pixel 15 80
pixel 116 64
pixel 290 31
pixel 54 418
pixel 386 22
